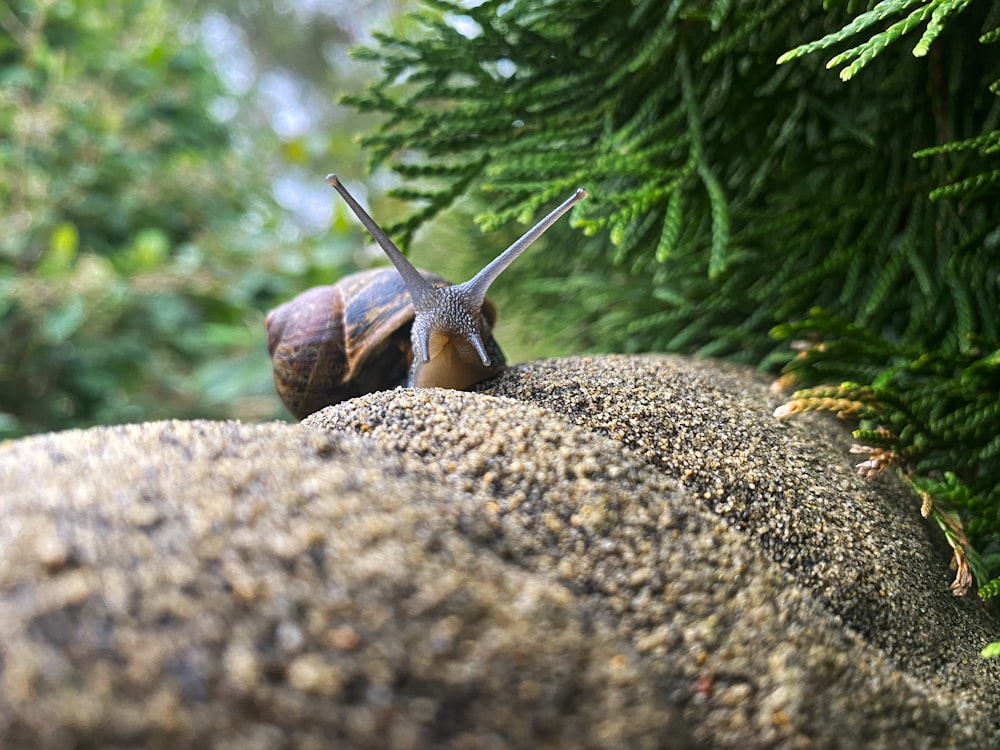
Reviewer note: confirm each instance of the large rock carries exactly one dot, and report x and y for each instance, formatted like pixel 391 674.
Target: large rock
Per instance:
pixel 201 584
pixel 607 552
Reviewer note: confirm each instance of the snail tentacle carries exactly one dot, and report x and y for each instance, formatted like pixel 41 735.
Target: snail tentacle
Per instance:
pixel 479 284
pixel 451 341
pixel 421 291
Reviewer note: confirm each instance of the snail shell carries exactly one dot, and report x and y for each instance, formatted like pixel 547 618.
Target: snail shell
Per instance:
pixel 332 343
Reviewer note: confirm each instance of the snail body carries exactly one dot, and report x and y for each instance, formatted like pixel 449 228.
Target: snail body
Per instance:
pixel 387 327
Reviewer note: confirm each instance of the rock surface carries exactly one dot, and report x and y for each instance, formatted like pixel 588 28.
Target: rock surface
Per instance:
pixel 606 552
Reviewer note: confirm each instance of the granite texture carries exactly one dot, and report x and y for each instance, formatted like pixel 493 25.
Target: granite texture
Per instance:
pixel 592 552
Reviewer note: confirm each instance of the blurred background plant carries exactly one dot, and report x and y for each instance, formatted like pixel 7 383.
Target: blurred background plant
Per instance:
pixel 161 186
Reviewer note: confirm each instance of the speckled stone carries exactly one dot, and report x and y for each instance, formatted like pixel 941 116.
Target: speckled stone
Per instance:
pixel 860 545
pixel 227 585
pixel 742 583
pixel 593 552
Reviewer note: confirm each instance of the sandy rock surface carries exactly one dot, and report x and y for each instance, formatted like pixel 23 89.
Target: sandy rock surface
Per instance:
pixel 608 552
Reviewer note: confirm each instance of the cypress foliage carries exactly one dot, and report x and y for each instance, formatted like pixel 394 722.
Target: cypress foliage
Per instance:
pixel 731 195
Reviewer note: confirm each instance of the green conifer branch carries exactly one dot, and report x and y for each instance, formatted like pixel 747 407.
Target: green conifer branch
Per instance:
pixel 990 36
pixel 934 13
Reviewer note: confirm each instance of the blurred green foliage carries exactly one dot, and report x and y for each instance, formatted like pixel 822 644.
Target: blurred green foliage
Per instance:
pixel 140 242
pixel 112 180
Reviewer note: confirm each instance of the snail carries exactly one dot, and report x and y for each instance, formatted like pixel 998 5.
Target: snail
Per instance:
pixel 388 327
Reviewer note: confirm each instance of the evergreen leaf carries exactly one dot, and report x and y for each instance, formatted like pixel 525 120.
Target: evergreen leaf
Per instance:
pixel 933 12
pixel 985 141
pixel 936 24
pixel 982 181
pixel 720 222
pixel 671 226
pixel 881 11
pixel 988 591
